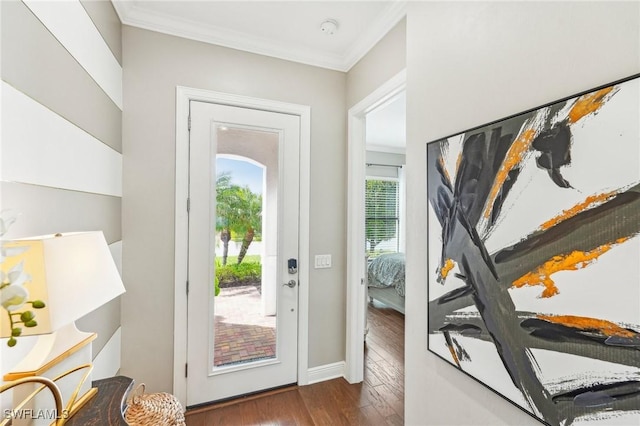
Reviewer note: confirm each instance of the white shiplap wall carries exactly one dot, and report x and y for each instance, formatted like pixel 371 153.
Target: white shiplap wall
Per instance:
pixel 61 148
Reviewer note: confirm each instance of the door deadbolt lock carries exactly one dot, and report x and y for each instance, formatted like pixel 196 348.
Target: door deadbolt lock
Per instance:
pixel 291 283
pixel 292 264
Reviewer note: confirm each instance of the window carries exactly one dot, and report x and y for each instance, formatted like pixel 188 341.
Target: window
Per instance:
pixel 382 213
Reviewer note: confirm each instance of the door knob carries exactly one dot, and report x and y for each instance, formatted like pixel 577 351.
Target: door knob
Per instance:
pixel 291 283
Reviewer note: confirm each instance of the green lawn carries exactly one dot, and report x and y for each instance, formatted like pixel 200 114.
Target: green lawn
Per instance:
pixel 253 258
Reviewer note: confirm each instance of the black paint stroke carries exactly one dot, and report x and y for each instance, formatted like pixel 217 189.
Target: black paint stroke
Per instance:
pixel 561 333
pixel 617 218
pixel 451 347
pixel 459 208
pixel 570 410
pixel 512 176
pixel 554 145
pixel 461 352
pixel 631 342
pixel 497 311
pixel 593 348
pixel 455 294
pixel 477 241
pixel 463 203
pixel 601 394
pixel 463 329
pixel 482 156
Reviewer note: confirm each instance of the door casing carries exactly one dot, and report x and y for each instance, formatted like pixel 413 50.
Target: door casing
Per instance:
pixel 356 174
pixel 183 96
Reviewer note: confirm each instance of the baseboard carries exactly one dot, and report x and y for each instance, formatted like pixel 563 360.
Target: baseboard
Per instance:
pixel 326 372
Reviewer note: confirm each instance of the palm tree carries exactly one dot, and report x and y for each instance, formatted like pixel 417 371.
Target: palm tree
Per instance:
pixel 249 218
pixel 225 208
pixel 238 210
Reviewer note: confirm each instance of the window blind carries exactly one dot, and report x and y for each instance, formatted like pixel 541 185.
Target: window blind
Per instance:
pixel 381 216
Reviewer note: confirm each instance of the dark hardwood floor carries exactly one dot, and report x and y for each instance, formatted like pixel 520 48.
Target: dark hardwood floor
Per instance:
pixel 379 400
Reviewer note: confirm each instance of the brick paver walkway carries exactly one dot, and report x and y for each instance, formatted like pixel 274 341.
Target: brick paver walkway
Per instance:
pixel 242 334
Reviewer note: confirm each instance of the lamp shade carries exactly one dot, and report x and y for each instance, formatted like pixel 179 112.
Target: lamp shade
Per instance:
pixel 72 274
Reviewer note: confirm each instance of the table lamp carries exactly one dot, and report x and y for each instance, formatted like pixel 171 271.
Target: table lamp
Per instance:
pixel 48 283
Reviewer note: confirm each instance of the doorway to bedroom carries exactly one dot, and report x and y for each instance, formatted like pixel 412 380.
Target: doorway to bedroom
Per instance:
pixel 376 219
pixel 384 212
pixel 384 242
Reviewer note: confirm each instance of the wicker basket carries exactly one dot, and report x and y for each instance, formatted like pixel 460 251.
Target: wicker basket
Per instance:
pixel 153 409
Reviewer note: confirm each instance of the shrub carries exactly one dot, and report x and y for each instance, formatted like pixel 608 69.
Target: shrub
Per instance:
pixel 235 274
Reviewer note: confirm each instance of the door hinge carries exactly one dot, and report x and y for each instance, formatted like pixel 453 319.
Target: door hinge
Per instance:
pixel 188 205
pixel 186 370
pixel 361 281
pixel 189 123
pixel 187 288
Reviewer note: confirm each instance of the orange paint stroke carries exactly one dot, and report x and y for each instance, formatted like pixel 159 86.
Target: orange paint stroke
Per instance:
pixel 514 156
pixel 453 355
pixel 589 202
pixel 444 169
pixel 589 103
pixel 569 262
pixel 589 324
pixel 446 268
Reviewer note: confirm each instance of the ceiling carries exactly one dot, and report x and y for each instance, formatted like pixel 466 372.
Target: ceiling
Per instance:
pixel 386 126
pixel 282 29
pixel 287 30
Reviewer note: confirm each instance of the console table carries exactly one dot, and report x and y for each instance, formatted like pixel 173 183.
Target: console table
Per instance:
pixel 106 407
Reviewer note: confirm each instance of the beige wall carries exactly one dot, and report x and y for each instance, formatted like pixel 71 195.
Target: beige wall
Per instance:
pixel 154 65
pixel 386 59
pixel 468 64
pixel 379 161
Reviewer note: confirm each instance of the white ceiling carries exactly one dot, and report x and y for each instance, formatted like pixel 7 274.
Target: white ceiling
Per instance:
pixel 386 126
pixel 287 30
pixel 283 29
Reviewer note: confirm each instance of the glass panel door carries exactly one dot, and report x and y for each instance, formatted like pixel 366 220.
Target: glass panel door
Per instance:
pixel 243 229
pixel 246 240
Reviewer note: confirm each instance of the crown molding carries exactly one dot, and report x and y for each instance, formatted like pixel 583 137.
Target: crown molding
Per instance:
pixel 130 14
pixel 385 22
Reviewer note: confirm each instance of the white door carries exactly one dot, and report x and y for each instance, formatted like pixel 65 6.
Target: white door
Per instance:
pixel 245 339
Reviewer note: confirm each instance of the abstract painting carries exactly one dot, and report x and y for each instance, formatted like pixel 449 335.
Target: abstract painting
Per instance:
pixel 534 256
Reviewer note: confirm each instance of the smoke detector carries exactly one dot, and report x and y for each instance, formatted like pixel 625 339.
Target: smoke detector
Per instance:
pixel 329 26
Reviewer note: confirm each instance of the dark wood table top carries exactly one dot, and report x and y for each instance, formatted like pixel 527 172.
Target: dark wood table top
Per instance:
pixel 106 407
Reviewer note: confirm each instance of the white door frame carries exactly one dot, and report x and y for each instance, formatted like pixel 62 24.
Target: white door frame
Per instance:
pixel 183 96
pixel 356 174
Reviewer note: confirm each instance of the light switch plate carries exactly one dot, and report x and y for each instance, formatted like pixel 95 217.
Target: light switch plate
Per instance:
pixel 322 261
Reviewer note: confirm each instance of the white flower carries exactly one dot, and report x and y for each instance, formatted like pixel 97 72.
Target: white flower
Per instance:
pixel 12 292
pixel 13 297
pixel 7 217
pixel 10 251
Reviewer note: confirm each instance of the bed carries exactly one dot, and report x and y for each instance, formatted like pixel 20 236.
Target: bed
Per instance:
pixel 385 280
